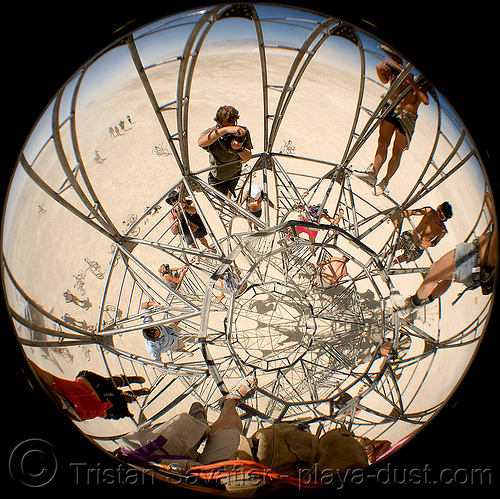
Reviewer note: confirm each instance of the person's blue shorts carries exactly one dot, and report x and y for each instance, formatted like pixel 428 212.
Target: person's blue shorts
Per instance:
pixel 465 262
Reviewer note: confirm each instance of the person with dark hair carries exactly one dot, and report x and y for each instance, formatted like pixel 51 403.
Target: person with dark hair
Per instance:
pixel 429 231
pixel 107 390
pixel 304 216
pixel 472 264
pixel 91 395
pixel 184 219
pixel 229 143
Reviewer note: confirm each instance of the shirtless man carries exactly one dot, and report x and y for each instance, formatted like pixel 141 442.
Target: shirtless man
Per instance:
pixel 429 231
pixel 333 270
pixel 471 264
pixel 401 121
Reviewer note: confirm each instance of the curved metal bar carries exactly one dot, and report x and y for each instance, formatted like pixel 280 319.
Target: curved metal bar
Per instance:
pixel 185 77
pixel 295 73
pixel 103 218
pixel 152 98
pixel 63 161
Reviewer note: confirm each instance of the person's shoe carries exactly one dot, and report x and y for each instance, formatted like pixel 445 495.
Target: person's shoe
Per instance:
pixel 125 380
pixel 407 307
pixel 241 391
pixel 381 188
pixel 367 176
pixel 198 411
pixel 397 300
pixel 142 391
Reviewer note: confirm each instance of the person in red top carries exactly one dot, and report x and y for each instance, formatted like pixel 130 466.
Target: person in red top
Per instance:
pixel 90 395
pixel 79 399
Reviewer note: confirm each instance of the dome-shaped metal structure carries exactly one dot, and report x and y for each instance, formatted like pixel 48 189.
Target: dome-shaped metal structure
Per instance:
pixel 89 220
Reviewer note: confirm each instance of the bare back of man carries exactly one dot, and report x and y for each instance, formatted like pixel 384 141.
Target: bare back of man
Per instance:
pixel 428 232
pixel 431 229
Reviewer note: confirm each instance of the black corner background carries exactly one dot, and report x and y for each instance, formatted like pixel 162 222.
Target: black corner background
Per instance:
pixel 456 48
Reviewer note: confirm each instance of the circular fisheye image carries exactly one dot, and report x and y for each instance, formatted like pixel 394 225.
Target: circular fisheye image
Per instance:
pixel 249 247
